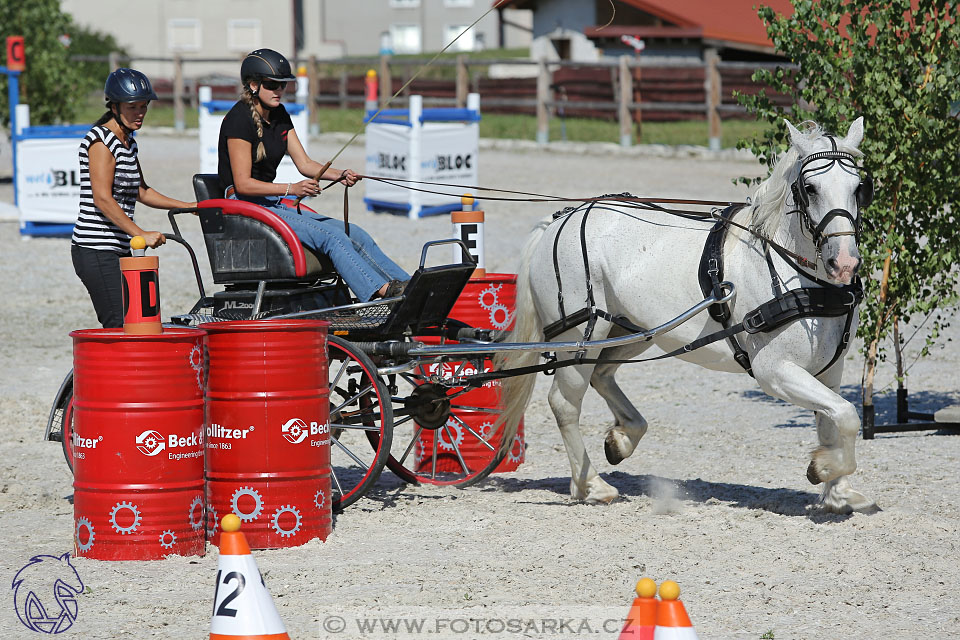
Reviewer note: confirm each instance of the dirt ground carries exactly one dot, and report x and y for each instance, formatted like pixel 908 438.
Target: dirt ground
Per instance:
pixel 715 496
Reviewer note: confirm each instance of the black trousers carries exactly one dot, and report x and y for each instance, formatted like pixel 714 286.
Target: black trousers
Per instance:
pixel 100 273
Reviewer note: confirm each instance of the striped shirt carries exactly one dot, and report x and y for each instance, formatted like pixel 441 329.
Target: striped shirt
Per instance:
pixel 94 230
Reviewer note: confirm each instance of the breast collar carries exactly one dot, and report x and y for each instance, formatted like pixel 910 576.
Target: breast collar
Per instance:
pixel 825 300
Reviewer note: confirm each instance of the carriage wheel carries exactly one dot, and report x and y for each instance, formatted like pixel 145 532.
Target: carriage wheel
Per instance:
pixel 361 423
pixel 60 422
pixel 441 436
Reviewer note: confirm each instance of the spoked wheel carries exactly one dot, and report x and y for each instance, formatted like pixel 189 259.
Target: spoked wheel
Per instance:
pixel 361 423
pixel 60 422
pixel 443 435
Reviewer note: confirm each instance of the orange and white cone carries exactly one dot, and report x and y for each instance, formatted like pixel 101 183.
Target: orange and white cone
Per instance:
pixel 643 614
pixel 242 606
pixel 673 623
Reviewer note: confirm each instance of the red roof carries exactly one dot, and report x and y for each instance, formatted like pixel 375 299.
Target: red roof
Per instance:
pixel 734 21
pixel 730 20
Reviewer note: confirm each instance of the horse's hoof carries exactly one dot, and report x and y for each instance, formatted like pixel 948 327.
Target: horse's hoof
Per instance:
pixel 812 474
pixel 611 450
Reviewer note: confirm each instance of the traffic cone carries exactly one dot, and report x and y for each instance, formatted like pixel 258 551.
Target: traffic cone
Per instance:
pixel 242 606
pixel 643 614
pixel 673 623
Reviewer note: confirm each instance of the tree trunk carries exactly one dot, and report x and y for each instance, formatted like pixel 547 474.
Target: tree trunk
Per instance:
pixel 871 364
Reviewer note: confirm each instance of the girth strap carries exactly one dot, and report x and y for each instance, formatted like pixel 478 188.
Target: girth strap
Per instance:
pixel 710 276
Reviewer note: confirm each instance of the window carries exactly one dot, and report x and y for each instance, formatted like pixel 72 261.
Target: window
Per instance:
pixel 404 4
pixel 467 41
pixel 183 35
pixel 243 35
pixel 458 3
pixel 405 38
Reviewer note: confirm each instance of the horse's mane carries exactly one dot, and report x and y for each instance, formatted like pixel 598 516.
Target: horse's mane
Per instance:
pixel 769 200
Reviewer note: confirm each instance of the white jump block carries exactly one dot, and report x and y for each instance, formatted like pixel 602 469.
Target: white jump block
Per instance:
pixel 948 414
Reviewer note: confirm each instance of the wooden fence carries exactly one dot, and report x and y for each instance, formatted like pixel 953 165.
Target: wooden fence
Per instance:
pixel 628 89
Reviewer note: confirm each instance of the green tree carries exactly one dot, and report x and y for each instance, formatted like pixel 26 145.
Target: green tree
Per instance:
pixel 895 62
pixel 51 83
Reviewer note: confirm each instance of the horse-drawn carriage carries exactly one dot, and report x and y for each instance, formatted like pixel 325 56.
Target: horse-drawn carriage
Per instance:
pixel 391 392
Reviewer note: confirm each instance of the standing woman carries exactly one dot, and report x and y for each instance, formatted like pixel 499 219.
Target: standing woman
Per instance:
pixel 111 183
pixel 254 136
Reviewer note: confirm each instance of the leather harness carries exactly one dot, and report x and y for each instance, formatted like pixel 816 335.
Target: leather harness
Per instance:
pixel 826 300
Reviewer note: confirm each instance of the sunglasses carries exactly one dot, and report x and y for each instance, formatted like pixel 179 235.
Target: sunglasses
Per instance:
pixel 273 85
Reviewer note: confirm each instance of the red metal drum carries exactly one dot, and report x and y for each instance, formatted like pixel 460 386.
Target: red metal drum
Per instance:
pixel 268 430
pixel 138 444
pixel 488 302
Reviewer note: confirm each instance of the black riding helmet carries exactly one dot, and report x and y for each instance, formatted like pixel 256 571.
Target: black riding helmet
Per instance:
pixel 265 64
pixel 128 85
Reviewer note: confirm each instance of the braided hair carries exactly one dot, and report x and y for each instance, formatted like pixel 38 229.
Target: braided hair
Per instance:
pixel 249 98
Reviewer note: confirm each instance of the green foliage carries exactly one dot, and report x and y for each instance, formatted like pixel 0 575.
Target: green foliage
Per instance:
pixel 51 84
pixel 897 66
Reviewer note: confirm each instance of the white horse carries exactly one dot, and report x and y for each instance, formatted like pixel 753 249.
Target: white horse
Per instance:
pixel 643 266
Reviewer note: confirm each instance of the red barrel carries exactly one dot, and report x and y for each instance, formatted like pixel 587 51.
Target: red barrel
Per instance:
pixel 268 430
pixel 488 302
pixel 138 444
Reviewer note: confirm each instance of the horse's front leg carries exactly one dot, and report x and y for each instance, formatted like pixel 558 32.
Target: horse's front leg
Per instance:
pixel 629 425
pixel 566 397
pixel 837 426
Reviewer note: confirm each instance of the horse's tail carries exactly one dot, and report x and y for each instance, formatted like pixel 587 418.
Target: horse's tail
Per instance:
pixel 516 390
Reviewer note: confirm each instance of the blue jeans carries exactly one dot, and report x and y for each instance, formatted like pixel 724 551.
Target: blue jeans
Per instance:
pixel 357 258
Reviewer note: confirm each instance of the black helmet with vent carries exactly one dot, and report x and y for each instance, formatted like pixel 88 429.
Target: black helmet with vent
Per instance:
pixel 128 85
pixel 265 64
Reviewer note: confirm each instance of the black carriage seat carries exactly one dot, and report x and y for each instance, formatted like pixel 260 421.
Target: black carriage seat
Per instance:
pixel 248 243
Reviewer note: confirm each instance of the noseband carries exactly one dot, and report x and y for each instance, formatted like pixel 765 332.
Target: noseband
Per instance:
pixel 801 198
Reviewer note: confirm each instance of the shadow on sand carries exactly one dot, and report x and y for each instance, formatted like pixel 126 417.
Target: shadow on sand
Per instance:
pixel 786 502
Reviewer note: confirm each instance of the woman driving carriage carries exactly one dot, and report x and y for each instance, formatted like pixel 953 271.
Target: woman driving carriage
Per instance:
pixel 111 183
pixel 254 136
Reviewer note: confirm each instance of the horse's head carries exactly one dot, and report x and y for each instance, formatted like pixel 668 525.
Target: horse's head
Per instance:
pixel 829 190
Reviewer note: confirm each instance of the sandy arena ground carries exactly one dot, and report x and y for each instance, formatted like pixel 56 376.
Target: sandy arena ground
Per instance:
pixel 715 496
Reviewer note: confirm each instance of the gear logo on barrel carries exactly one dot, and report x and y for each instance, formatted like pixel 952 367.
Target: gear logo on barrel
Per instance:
pixel 196 504
pixel 450 442
pixel 150 443
pixel 516 451
pixel 167 539
pixel 257 504
pixel 196 361
pixel 121 507
pixel 83 523
pixel 212 523
pixel 286 533
pixel 295 431
pixel 489 299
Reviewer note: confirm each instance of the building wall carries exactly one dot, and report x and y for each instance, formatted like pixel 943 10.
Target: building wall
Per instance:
pixel 331 28
pixel 192 28
pixel 335 28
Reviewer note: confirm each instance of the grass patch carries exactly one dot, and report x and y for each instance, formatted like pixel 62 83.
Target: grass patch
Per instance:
pixel 495 125
pixel 521 127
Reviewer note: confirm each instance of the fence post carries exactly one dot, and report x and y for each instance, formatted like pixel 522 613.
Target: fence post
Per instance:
pixel 712 85
pixel 178 122
pixel 463 80
pixel 386 82
pixel 342 89
pixel 543 96
pixel 625 98
pixel 114 60
pixel 313 81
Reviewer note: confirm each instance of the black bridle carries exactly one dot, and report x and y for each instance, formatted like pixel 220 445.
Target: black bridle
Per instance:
pixel 801 199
